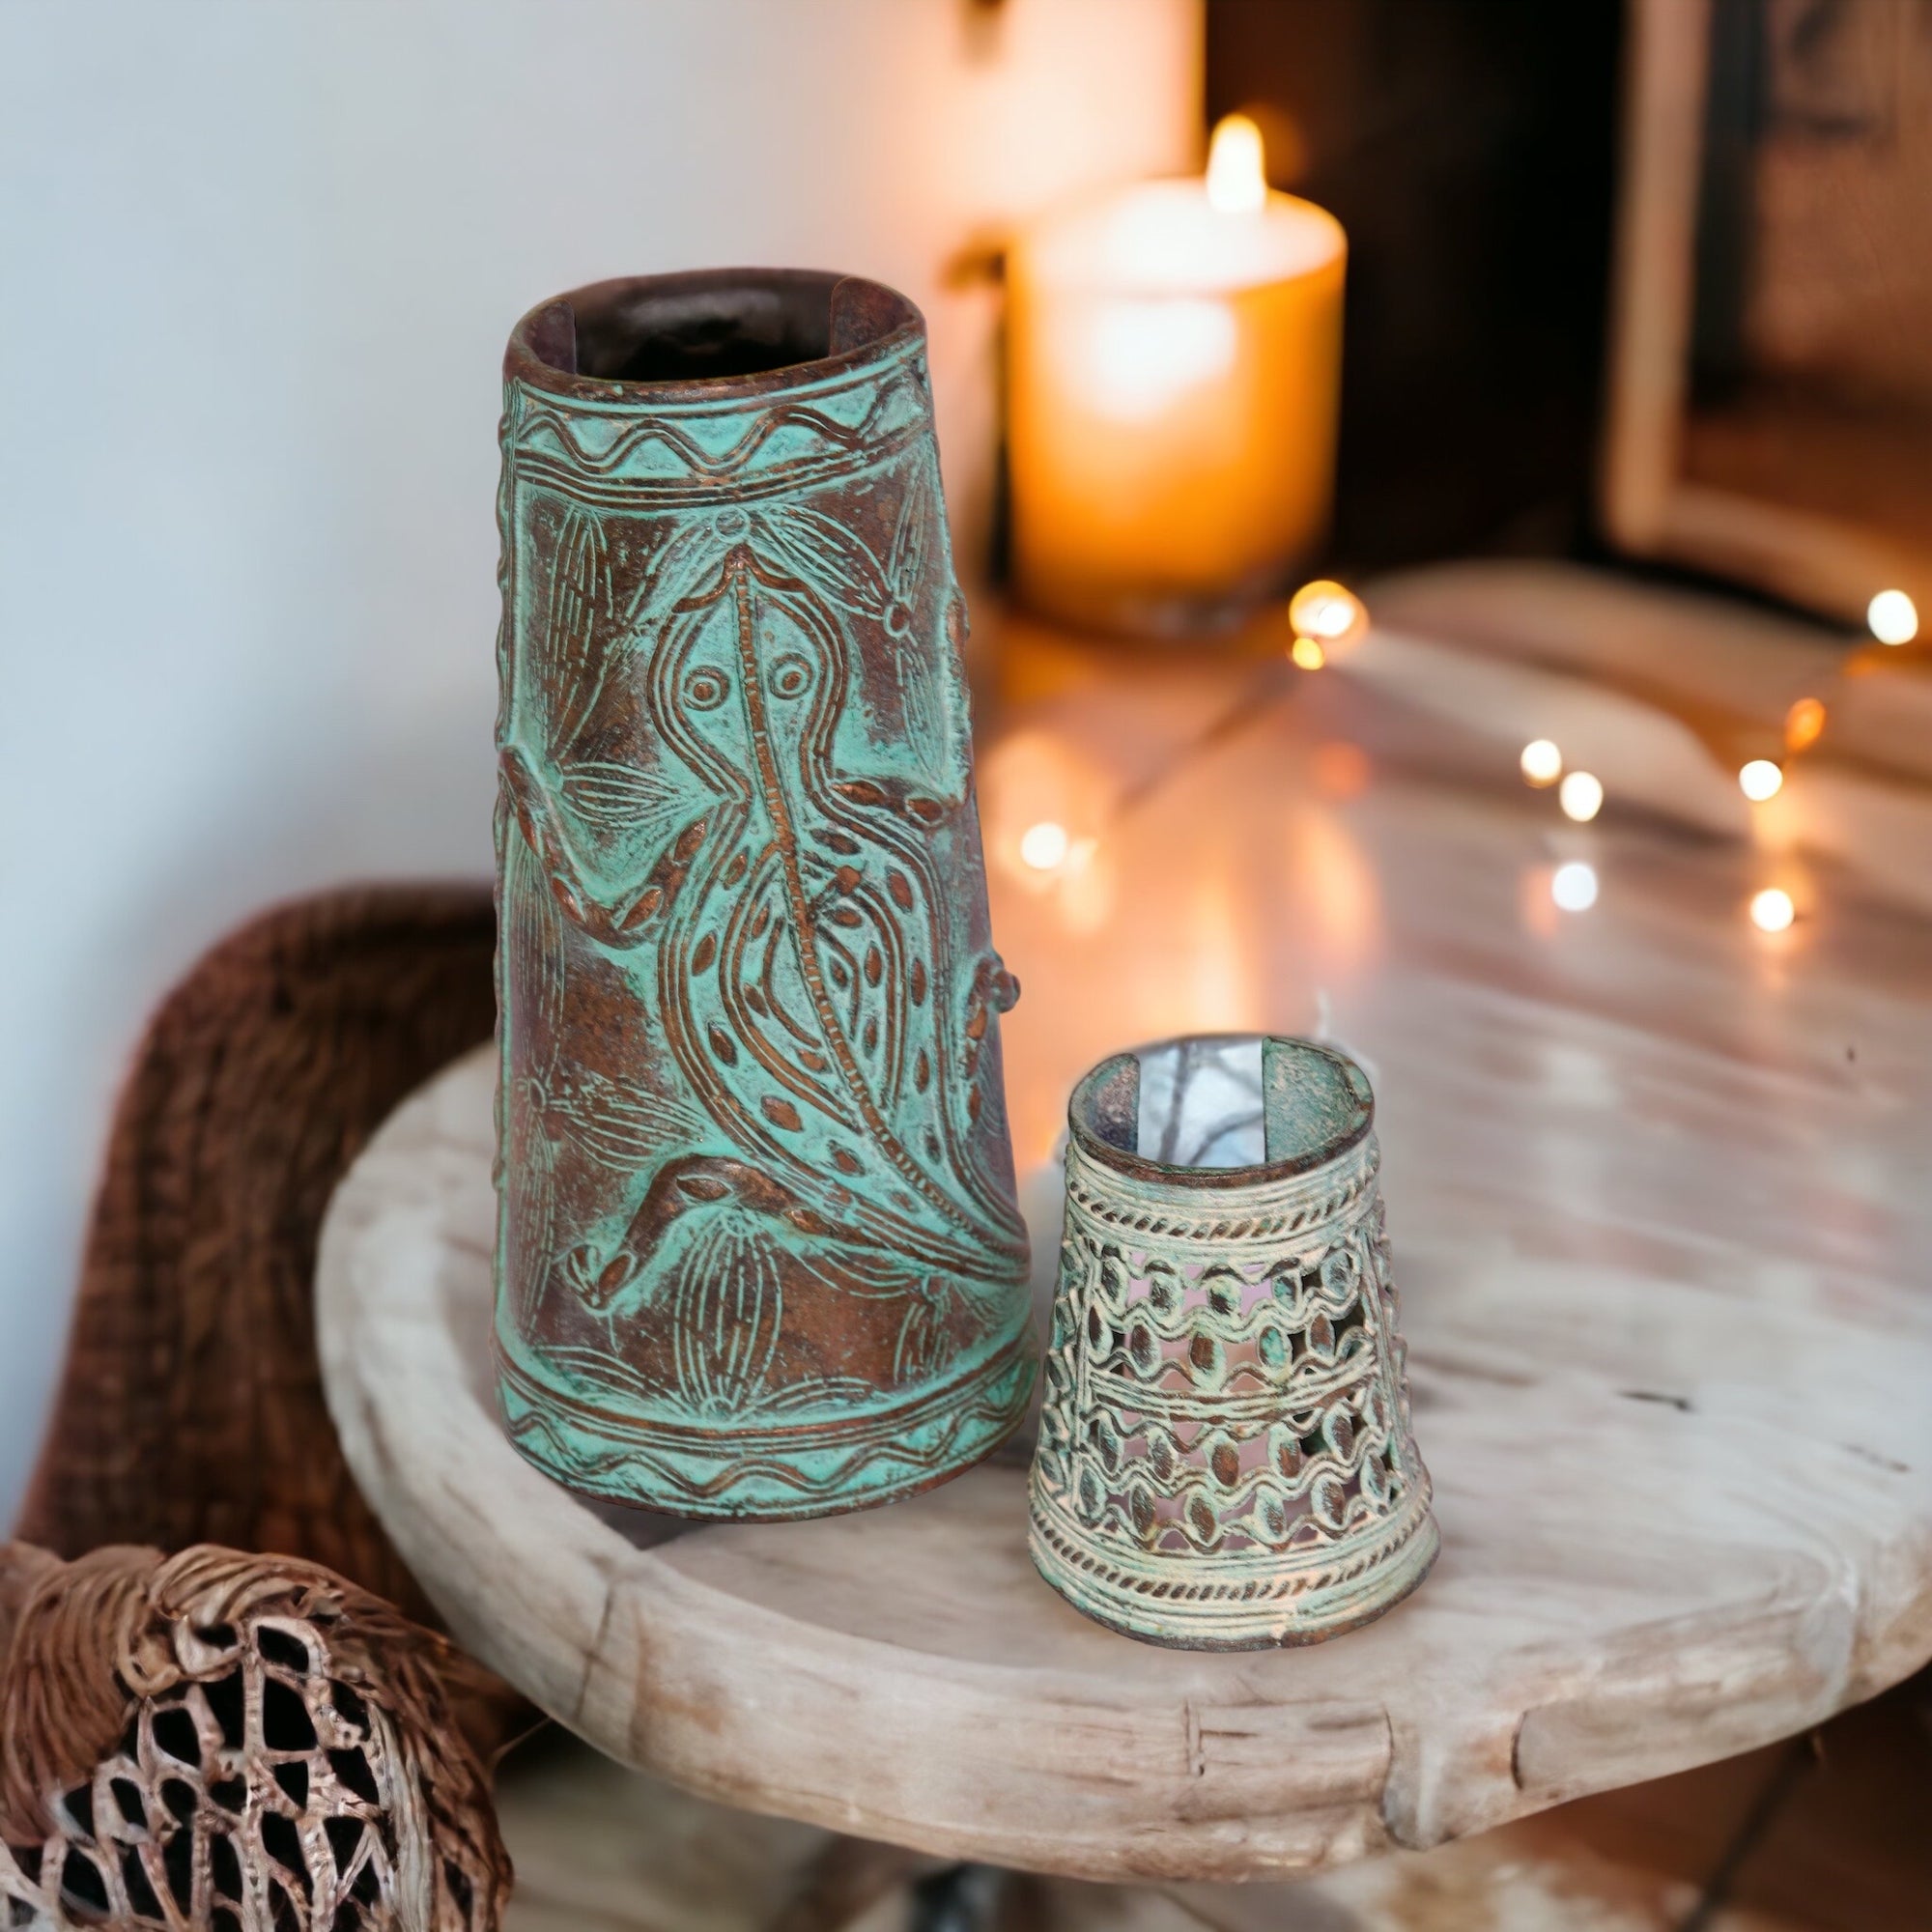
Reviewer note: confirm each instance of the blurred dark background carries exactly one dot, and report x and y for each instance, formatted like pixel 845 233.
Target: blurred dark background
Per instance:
pixel 1468 146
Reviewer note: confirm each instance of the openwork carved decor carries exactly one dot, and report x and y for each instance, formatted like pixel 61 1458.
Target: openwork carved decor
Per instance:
pixel 219 1743
pixel 758 1252
pixel 1225 1459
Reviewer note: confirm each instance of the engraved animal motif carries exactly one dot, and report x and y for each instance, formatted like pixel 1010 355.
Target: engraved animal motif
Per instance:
pixel 715 786
pixel 721 1281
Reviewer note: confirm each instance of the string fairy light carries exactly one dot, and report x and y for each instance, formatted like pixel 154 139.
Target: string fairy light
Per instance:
pixel 1581 796
pixel 1327 619
pixel 1044 846
pixel 1893 618
pixel 1574 884
pixel 1541 762
pixel 1325 610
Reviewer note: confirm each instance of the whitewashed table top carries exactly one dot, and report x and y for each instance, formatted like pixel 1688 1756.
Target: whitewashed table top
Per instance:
pixel 1657 1191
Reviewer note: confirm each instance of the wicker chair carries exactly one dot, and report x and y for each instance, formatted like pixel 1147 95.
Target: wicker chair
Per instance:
pixel 222 1705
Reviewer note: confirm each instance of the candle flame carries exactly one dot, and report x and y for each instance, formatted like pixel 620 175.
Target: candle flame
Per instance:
pixel 1237 174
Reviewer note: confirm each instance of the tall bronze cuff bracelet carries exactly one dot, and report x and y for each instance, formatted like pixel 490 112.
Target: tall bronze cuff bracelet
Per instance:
pixel 758 1253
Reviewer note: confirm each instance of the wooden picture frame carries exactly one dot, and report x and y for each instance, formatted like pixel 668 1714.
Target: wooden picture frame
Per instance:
pixel 1776 189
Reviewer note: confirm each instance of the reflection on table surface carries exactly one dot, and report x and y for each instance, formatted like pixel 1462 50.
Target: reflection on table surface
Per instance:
pixel 1583 1016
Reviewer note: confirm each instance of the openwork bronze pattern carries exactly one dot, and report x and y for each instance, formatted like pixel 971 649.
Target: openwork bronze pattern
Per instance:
pixel 1225 1457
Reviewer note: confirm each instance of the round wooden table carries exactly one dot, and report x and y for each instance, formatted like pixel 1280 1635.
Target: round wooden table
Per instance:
pixel 1657 1186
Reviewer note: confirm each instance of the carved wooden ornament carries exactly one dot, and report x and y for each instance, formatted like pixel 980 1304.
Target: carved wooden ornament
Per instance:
pixel 758 1252
pixel 1225 1459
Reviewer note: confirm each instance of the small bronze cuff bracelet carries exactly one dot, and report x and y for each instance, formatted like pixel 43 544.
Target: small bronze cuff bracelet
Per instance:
pixel 1225 1457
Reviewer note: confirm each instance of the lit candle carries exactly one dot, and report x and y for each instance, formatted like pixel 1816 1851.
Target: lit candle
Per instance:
pixel 1174 364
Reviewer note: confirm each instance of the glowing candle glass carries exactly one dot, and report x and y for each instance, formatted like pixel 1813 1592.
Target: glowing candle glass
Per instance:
pixel 1174 365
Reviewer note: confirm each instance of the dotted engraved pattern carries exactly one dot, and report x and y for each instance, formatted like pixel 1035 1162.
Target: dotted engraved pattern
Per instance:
pixel 1226 1431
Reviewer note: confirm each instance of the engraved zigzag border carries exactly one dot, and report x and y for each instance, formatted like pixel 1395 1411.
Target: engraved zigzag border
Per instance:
pixel 991 1410
pixel 538 413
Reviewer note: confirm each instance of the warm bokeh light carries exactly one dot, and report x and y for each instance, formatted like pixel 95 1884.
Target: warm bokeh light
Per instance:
pixel 1308 654
pixel 1541 762
pixel 1772 910
pixel 1760 780
pixel 1341 769
pixel 1326 610
pixel 1046 795
pixel 1043 846
pixel 1140 359
pixel 1581 797
pixel 1236 167
pixel 1574 886
pixel 1332 883
pixel 1803 723
pixel 1893 617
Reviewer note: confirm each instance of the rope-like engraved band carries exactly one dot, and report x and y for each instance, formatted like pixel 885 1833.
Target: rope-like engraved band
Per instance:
pixel 1265 1210
pixel 1268 1578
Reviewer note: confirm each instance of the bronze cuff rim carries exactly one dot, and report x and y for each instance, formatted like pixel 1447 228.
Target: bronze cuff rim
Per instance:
pixel 1101 1113
pixel 874 321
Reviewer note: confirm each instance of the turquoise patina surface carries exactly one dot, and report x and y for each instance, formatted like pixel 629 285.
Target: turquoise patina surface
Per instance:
pixel 757 1252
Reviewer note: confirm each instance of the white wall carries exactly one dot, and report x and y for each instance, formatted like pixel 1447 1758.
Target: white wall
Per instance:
pixel 257 263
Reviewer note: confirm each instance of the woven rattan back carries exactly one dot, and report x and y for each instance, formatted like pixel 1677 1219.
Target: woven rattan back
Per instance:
pixel 191 1410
